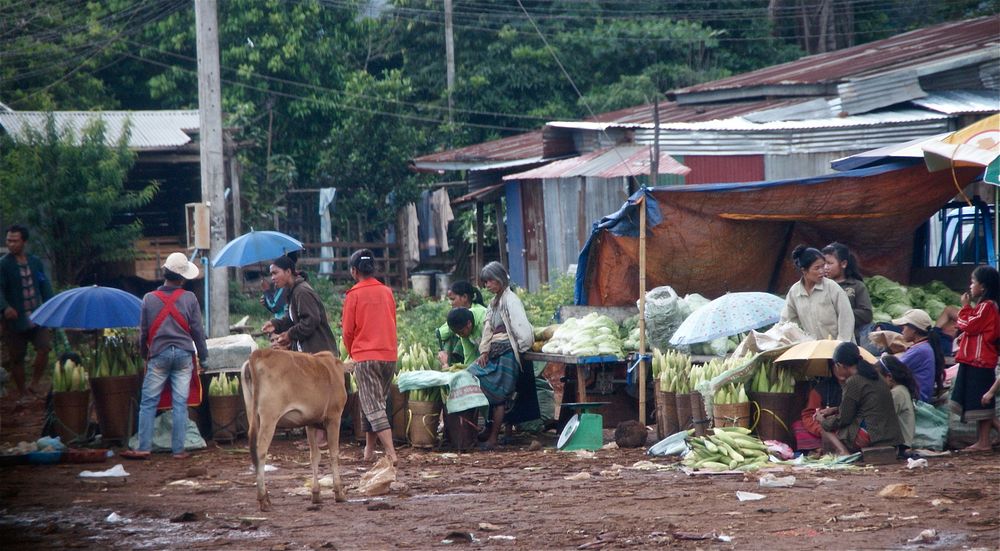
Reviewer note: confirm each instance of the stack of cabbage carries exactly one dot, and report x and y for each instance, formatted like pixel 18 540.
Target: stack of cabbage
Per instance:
pixel 892 300
pixel 591 335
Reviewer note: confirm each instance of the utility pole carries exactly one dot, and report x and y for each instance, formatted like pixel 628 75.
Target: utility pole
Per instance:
pixel 212 163
pixel 449 49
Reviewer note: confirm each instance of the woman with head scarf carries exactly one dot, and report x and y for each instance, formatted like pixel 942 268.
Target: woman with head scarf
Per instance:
pixel 866 416
pixel 506 334
pixel 816 303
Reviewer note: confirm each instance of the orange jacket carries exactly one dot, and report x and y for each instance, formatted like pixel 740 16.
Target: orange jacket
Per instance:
pixel 369 322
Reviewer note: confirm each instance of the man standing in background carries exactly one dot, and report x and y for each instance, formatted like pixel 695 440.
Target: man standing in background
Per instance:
pixel 23 288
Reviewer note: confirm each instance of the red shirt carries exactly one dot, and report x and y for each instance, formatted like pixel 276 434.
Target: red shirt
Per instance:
pixel 977 345
pixel 369 322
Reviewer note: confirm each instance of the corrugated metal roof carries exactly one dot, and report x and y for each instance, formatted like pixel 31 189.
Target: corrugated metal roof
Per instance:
pixel 615 162
pixel 528 147
pixel 740 124
pixel 150 130
pixel 960 102
pixel 901 51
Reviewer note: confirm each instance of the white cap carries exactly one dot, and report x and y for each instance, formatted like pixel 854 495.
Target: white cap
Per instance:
pixel 178 263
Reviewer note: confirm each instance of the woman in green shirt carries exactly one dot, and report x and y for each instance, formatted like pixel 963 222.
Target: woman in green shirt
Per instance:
pixel 454 346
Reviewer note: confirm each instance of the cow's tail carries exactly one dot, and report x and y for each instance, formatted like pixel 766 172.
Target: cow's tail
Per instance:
pixel 250 402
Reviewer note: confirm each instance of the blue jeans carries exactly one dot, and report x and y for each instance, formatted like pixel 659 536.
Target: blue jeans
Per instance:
pixel 176 365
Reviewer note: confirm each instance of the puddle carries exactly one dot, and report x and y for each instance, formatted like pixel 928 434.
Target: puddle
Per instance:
pixel 130 532
pixel 441 496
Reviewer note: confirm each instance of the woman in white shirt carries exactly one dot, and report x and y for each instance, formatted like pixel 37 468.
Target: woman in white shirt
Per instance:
pixel 816 303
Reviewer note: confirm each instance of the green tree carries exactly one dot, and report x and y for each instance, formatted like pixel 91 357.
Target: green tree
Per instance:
pixel 69 188
pixel 365 155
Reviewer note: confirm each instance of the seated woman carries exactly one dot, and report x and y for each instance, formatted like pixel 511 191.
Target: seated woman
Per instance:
pixel 826 394
pixel 465 296
pixel 507 333
pixel 924 358
pixel 816 303
pixel 903 388
pixel 462 343
pixel 866 416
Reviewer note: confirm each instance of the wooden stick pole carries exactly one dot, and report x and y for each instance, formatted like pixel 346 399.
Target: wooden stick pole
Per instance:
pixel 642 308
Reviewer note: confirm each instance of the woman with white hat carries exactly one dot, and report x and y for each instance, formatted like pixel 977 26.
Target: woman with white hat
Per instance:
pixel 924 357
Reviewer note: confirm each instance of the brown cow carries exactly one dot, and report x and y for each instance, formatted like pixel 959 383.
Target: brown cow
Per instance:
pixel 293 389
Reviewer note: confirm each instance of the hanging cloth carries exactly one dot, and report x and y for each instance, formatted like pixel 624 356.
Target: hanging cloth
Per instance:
pixel 327 196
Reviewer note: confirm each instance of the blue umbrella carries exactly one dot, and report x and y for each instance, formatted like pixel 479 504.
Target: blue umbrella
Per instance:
pixel 727 315
pixel 91 307
pixel 254 247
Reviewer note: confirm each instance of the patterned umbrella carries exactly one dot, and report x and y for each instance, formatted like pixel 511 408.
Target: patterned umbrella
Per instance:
pixel 727 315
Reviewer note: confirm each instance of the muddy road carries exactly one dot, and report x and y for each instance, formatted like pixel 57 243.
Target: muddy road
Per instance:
pixel 516 498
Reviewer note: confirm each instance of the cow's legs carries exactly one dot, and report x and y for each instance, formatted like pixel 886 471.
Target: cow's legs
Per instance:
pixel 264 437
pixel 313 461
pixel 333 448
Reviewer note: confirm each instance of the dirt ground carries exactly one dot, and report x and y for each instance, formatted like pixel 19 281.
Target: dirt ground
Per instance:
pixel 515 498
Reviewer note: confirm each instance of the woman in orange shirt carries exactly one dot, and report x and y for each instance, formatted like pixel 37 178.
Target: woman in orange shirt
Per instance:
pixel 369 323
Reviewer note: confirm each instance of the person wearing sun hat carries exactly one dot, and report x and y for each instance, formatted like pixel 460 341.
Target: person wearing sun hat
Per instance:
pixel 924 357
pixel 170 334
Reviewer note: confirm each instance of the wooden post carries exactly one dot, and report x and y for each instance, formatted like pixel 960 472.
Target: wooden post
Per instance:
pixel 642 306
pixel 502 233
pixel 211 156
pixel 480 257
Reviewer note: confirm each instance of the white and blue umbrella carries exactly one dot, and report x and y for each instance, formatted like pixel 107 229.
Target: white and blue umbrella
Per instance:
pixel 727 315
pixel 254 247
pixel 91 307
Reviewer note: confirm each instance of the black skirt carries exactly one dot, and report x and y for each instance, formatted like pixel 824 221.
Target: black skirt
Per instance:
pixel 967 392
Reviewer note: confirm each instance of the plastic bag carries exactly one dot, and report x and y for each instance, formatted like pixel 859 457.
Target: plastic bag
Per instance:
pixel 931 429
pixel 664 313
pixel 377 481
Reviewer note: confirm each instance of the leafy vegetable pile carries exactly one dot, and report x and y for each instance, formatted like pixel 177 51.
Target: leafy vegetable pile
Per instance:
pixel 892 300
pixel 591 335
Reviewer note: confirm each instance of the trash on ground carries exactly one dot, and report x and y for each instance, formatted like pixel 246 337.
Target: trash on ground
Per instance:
pixel 941 501
pixel 912 463
pixel 779 449
pixel 184 482
pixel 584 454
pixel 748 496
pixel 116 518
pixel 459 537
pixel 502 538
pixel 926 536
pixel 489 527
pixel 267 469
pixel 377 481
pixel 771 481
pixel 898 490
pixel 115 471
pixel 578 476
pixel 610 446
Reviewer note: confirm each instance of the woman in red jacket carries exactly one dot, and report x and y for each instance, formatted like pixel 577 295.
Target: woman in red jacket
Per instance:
pixel 369 323
pixel 977 353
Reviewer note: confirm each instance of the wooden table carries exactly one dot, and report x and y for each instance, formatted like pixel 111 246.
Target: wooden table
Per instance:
pixel 581 382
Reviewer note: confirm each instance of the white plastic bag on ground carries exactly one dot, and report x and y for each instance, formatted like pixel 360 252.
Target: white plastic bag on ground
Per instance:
pixel 377 481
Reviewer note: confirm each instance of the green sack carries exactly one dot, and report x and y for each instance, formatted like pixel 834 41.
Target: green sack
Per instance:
pixel 931 430
pixel 162 428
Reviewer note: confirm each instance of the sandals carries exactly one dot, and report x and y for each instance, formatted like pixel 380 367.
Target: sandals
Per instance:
pixel 135 454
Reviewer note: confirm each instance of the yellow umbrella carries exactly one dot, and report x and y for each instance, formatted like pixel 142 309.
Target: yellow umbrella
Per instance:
pixel 975 145
pixel 814 356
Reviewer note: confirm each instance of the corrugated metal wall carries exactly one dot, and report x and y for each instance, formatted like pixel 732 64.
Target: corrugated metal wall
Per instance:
pixel 572 205
pixel 802 165
pixel 720 169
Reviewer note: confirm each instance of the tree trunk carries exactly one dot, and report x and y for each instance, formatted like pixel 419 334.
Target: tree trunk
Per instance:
pixel 826 40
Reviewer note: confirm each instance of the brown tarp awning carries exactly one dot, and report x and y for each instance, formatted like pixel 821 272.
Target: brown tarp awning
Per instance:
pixel 738 237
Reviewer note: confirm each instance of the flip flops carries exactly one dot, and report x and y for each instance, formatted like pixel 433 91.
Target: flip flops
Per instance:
pixel 135 454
